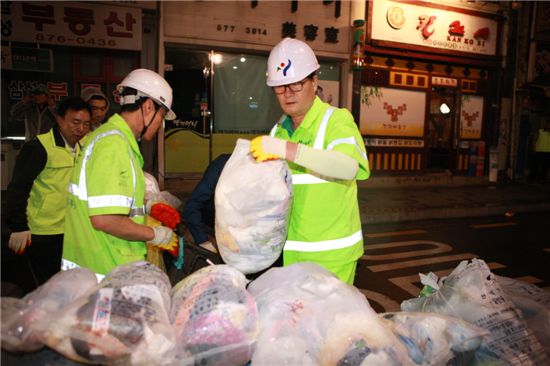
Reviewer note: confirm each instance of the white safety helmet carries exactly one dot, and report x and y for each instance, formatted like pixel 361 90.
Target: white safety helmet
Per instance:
pixel 290 61
pixel 148 84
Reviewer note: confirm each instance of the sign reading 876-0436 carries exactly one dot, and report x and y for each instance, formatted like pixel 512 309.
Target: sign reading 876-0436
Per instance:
pixel 85 41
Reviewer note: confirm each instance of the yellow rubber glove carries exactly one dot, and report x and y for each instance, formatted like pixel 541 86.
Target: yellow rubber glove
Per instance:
pixel 165 238
pixel 265 148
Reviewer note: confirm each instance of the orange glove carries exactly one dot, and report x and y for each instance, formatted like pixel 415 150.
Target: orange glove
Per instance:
pixel 166 214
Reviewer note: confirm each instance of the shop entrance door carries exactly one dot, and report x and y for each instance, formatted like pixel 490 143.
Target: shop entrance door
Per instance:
pixel 441 132
pixel 187 144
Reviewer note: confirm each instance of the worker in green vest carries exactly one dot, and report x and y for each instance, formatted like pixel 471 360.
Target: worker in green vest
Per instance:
pixel 105 224
pixel 37 193
pixel 326 156
pixel 541 160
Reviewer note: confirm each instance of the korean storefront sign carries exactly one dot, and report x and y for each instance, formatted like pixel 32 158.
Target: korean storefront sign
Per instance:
pixel 72 24
pixel 325 26
pixel 439 29
pixel 471 117
pixel 27 59
pixel 394 112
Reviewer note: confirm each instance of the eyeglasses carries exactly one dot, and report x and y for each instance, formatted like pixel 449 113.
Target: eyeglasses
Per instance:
pixel 294 87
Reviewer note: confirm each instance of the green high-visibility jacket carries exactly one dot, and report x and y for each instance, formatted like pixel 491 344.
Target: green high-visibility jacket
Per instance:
pixel 543 141
pixel 48 195
pixel 325 225
pixel 107 180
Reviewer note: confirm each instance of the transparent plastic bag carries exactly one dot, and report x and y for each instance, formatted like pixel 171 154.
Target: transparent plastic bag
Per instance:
pixel 214 318
pixel 253 202
pixel 534 304
pixel 123 320
pixel 435 339
pixel 19 314
pixel 309 317
pixel 472 293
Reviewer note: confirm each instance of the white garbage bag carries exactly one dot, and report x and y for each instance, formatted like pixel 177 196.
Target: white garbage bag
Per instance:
pixel 472 293
pixel 18 315
pixel 534 304
pixel 214 318
pixel 253 202
pixel 309 317
pixel 123 320
pixel 435 339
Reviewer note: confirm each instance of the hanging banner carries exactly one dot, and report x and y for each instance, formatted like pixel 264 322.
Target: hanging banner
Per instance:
pixel 471 115
pixel 392 112
pixel 72 24
pixel 417 24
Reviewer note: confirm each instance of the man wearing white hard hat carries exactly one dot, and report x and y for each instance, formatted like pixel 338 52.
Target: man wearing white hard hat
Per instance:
pixel 105 220
pixel 326 155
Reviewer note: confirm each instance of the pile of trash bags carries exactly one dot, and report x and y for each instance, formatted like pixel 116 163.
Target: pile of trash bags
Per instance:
pixel 296 315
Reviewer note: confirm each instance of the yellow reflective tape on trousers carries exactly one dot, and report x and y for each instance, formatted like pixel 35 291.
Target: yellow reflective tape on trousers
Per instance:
pixel 320 246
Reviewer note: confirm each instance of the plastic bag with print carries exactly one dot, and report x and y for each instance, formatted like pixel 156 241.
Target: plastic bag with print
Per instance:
pixel 472 293
pixel 18 315
pixel 253 202
pixel 214 318
pixel 123 320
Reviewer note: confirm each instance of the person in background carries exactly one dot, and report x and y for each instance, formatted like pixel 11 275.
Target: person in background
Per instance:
pixel 37 110
pixel 326 155
pixel 37 193
pixel 541 159
pixel 99 104
pixel 105 222
pixel 199 212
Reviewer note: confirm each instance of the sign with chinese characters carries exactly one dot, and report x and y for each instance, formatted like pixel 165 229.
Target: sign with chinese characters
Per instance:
pixel 471 117
pixel 325 26
pixel 72 24
pixel 378 142
pixel 412 23
pixel 394 112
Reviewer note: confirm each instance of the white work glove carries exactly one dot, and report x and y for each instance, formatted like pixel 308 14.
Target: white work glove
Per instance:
pixel 163 235
pixel 19 241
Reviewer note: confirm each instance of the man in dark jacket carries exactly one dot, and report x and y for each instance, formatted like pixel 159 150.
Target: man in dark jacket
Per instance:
pixel 37 110
pixel 37 193
pixel 199 212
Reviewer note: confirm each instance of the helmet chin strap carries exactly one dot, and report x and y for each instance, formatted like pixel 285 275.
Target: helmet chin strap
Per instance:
pixel 144 129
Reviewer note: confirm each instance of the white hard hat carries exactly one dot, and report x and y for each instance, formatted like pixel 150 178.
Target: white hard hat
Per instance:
pixel 148 84
pixel 290 61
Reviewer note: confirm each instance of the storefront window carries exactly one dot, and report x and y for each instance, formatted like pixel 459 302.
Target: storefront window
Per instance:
pixel 91 66
pixel 242 100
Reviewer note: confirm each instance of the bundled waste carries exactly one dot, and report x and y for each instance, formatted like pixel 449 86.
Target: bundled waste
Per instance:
pixel 534 305
pixel 296 315
pixel 252 218
pixel 309 317
pixel 214 318
pixel 123 320
pixel 434 339
pixel 472 293
pixel 18 315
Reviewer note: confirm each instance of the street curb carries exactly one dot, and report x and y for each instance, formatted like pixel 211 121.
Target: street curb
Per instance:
pixel 399 215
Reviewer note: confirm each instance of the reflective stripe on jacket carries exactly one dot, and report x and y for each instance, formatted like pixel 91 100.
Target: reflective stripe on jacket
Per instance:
pixel 107 180
pixel 325 212
pixel 48 196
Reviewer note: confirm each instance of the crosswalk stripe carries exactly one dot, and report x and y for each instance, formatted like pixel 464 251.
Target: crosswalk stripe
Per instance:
pixel 421 262
pixel 395 233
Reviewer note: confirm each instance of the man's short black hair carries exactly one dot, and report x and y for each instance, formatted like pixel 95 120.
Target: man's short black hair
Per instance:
pixel 74 103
